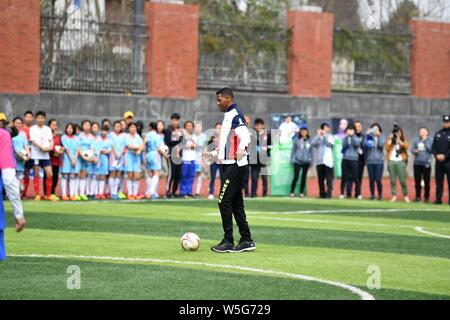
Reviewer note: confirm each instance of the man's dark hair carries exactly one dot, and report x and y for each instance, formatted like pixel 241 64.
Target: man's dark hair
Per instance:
pixel 28 112
pixel 225 92
pixel 41 113
pixel 323 125
pixel 175 116
pixel 188 122
pixel 152 125
pixel 258 121
pixel 50 121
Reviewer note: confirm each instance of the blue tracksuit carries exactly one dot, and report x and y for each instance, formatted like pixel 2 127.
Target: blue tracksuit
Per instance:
pixel 2 222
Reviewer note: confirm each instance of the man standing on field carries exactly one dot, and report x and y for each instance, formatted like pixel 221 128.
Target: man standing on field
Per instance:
pixel 232 152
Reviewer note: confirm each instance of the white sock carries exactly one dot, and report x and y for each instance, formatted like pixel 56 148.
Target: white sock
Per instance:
pixel 88 185
pixel 101 187
pixel 135 187
pixel 94 187
pixel 148 188
pixel 199 184
pixel 111 182
pixel 72 186
pixel 106 189
pixel 82 186
pixel 155 181
pixel 130 187
pixel 64 185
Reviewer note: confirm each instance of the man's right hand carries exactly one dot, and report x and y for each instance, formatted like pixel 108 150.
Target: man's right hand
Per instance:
pixel 440 157
pixel 20 224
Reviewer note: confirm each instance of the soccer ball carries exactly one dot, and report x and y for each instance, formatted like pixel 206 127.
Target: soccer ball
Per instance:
pixel 190 241
pixel 88 154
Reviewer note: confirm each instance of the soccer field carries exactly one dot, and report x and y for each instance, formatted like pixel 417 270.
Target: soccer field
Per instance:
pixel 306 249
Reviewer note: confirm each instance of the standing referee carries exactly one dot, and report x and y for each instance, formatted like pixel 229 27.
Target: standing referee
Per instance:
pixel 441 150
pixel 232 152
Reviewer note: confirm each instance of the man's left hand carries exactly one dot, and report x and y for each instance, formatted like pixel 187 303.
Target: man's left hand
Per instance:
pixel 240 153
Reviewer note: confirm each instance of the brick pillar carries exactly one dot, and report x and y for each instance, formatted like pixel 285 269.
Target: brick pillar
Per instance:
pixel 430 59
pixel 19 46
pixel 310 54
pixel 172 50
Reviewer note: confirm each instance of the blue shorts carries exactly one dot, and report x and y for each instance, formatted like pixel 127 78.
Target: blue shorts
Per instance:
pixel 84 165
pixel 2 246
pixel 41 163
pixel 102 168
pixel 154 161
pixel 92 168
pixel 198 168
pixel 132 163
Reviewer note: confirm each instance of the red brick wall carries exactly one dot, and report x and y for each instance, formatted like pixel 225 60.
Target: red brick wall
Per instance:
pixel 19 46
pixel 430 59
pixel 310 54
pixel 172 50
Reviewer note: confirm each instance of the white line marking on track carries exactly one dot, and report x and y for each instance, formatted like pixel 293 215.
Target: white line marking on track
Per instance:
pixel 328 211
pixel 361 293
pixel 420 229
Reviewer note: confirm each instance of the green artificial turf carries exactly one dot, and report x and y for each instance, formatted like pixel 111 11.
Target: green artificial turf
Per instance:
pixel 328 240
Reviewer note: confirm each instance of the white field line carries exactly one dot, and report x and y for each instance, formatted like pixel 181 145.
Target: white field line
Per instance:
pixel 331 211
pixel 420 229
pixel 341 222
pixel 361 293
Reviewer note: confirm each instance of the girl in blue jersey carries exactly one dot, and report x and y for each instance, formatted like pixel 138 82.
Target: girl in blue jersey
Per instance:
pixel 104 145
pixel 71 164
pixel 86 146
pixel 91 184
pixel 133 160
pixel 21 148
pixel 116 159
pixel 154 149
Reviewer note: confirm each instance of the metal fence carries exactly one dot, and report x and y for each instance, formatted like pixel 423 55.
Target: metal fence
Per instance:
pixel 242 57
pixel 80 54
pixel 375 62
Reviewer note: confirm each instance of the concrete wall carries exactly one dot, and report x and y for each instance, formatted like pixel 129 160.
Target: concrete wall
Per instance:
pixel 409 112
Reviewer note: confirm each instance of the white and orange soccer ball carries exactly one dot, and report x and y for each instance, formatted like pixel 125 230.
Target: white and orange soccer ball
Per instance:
pixel 190 241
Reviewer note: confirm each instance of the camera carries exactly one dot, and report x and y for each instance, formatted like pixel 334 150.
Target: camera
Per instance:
pixel 395 131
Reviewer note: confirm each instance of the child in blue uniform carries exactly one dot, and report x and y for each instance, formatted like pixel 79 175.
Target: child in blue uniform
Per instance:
pixel 104 147
pixel 92 167
pixel 86 144
pixel 116 160
pixel 133 160
pixel 71 164
pixel 154 149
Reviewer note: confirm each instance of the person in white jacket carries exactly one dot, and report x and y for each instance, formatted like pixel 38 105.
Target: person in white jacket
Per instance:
pixel 232 152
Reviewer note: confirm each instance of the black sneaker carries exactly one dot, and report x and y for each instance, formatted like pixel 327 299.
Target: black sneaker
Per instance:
pixel 223 247
pixel 245 246
pixel 438 202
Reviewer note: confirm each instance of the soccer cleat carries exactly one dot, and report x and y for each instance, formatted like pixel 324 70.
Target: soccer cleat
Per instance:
pixel 65 198
pixel 155 197
pixel 37 198
pixel 223 247
pixel 73 198
pixel 115 197
pixel 139 197
pixel 77 198
pixel 53 197
pixel 122 195
pixel 83 197
pixel 245 246
pixel 98 197
pixel 211 197
pixel 130 197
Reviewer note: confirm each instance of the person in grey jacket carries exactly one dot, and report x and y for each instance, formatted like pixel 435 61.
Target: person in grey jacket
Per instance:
pixel 350 163
pixel 374 143
pixel 301 159
pixel 421 149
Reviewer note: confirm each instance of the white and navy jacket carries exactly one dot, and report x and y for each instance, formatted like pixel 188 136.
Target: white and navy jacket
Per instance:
pixel 234 135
